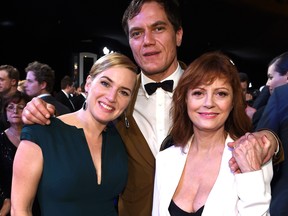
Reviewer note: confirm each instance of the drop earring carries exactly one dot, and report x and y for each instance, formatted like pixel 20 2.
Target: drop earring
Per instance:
pixel 127 124
pixel 85 105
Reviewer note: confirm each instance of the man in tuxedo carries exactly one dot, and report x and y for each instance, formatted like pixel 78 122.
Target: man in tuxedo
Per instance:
pixel 79 99
pixel 154 31
pixel 275 117
pixel 39 83
pixel 64 96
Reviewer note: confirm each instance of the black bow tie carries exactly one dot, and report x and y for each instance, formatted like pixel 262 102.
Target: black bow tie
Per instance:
pixel 166 85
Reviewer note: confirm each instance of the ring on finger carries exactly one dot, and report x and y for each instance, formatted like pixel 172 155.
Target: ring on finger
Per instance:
pixel 248 134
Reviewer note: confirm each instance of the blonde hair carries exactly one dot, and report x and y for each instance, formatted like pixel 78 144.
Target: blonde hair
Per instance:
pixel 111 60
pixel 20 86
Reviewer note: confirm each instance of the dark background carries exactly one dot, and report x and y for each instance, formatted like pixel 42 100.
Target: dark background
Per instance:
pixel 252 32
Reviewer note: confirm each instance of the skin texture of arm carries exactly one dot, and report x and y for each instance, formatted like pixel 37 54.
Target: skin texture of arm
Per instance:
pixel 27 171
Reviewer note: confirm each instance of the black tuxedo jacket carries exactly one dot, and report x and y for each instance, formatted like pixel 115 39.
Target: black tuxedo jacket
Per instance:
pixel 62 98
pixel 275 118
pixel 60 108
pixel 78 101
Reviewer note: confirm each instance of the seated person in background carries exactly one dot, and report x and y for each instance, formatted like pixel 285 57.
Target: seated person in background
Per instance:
pixel 78 164
pixel 9 140
pixel 39 83
pixel 193 175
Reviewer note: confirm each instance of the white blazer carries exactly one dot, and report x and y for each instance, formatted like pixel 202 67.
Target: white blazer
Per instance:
pixel 247 194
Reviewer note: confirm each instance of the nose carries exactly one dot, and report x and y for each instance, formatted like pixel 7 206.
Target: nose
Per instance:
pixel 111 96
pixel 15 109
pixel 208 101
pixel 149 38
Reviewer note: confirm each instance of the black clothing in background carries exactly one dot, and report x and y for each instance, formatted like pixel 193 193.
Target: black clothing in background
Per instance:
pixel 7 154
pixel 62 98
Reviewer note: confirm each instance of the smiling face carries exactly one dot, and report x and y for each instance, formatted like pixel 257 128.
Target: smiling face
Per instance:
pixel 109 93
pixel 153 41
pixel 209 106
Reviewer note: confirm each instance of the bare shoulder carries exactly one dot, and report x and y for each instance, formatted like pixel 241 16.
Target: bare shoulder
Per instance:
pixel 70 119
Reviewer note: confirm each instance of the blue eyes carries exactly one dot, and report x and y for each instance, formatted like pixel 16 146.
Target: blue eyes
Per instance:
pixel 122 92
pixel 105 83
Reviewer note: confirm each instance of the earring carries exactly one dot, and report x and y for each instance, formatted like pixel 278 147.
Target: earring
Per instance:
pixel 127 124
pixel 85 105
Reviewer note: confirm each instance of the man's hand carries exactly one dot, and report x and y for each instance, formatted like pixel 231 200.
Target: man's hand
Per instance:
pixel 37 111
pixel 265 145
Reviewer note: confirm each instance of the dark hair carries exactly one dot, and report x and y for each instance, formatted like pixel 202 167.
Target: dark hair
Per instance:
pixel 13 72
pixel 171 8
pixel 243 77
pixel 66 81
pixel 42 73
pixel 203 71
pixel 15 98
pixel 281 63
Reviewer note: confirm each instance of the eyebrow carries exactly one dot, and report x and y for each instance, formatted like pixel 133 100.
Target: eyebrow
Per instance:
pixel 218 88
pixel 110 80
pixel 157 23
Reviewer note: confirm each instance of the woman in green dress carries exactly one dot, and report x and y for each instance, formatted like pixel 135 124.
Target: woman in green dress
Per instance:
pixel 78 164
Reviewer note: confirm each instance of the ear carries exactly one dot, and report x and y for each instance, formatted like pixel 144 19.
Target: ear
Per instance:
pixel 43 85
pixel 179 35
pixel 13 82
pixel 88 83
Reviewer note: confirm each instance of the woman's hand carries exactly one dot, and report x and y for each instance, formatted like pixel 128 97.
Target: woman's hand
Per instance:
pixel 249 153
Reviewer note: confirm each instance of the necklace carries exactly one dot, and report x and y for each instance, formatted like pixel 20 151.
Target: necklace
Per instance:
pixel 15 136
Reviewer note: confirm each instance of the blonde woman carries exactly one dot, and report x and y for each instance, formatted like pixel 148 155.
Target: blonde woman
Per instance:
pixel 78 164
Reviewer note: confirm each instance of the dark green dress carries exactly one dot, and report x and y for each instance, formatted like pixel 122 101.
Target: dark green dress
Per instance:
pixel 68 185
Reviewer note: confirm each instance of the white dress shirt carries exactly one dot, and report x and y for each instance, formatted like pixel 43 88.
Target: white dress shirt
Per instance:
pixel 152 112
pixel 68 96
pixel 43 95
